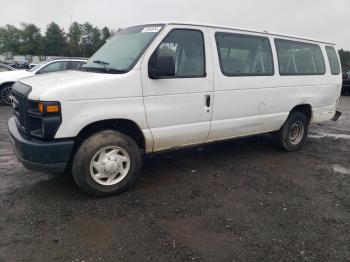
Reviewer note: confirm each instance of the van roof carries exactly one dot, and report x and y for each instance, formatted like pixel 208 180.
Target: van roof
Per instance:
pixel 247 30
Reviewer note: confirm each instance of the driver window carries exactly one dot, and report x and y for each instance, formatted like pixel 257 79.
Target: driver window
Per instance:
pixel 187 49
pixel 54 67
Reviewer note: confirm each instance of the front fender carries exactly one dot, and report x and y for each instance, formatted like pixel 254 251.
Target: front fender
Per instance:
pixel 78 114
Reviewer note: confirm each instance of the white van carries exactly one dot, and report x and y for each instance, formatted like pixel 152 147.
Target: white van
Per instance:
pixel 161 86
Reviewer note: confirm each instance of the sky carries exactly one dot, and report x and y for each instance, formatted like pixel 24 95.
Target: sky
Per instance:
pixel 327 20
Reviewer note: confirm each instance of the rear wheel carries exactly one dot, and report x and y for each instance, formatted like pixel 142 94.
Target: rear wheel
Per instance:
pixel 5 94
pixel 292 135
pixel 106 163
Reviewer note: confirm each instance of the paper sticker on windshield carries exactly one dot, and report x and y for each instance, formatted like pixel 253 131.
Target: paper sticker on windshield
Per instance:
pixel 154 29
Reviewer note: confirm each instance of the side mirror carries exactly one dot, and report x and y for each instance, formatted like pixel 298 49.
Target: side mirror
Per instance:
pixel 345 76
pixel 161 67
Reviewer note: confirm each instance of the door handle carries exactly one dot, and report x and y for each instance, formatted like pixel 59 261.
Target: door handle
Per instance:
pixel 207 99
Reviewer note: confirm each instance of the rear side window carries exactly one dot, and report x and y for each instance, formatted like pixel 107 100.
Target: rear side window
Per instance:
pixel 298 58
pixel 333 60
pixel 244 55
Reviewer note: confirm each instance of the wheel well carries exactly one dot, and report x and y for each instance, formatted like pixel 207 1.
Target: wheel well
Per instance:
pixel 305 109
pixel 6 83
pixel 124 126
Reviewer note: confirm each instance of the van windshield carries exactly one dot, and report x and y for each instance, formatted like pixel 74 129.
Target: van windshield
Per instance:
pixel 121 52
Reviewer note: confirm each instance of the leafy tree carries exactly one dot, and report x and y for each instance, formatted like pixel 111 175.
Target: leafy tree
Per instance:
pixel 86 39
pixel 90 40
pixel 81 40
pixel 105 34
pixel 96 40
pixel 31 40
pixel 75 33
pixel 55 42
pixel 10 39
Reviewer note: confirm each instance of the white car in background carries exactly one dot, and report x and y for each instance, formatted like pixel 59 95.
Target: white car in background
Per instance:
pixel 8 78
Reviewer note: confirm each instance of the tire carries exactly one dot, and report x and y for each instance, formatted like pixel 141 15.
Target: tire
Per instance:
pixel 96 161
pixel 5 92
pixel 292 135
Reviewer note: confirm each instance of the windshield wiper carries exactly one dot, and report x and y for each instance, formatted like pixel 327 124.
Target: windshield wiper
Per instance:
pixel 103 63
pixel 105 68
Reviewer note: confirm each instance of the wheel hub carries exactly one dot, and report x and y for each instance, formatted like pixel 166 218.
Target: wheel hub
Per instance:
pixel 110 165
pixel 296 132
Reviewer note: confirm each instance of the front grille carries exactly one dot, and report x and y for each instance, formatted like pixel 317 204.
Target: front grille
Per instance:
pixel 21 106
pixel 20 109
pixel 29 120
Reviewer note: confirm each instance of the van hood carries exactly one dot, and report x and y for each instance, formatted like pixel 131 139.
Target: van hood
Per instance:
pixel 51 80
pixel 63 85
pixel 13 76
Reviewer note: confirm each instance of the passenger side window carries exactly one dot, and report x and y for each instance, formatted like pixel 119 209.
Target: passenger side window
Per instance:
pixel 297 58
pixel 333 60
pixel 54 67
pixel 185 47
pixel 244 55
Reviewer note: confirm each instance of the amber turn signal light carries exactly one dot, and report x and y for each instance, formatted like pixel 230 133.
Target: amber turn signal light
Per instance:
pixel 41 107
pixel 51 108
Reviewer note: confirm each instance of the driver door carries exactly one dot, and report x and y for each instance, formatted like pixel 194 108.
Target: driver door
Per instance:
pixel 179 108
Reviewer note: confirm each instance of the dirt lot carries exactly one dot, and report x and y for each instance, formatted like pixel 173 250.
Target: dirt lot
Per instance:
pixel 242 200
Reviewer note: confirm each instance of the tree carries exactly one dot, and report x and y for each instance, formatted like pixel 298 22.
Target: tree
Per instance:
pixel 96 40
pixel 81 40
pixel 90 39
pixel 105 34
pixel 55 40
pixel 10 39
pixel 75 34
pixel 32 41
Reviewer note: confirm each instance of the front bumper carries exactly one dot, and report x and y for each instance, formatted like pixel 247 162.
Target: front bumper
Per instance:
pixel 34 154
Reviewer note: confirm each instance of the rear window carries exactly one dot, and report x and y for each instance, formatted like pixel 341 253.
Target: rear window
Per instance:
pixel 244 55
pixel 333 60
pixel 298 58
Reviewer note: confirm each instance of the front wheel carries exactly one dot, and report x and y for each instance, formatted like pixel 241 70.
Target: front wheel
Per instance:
pixel 292 135
pixel 5 94
pixel 106 163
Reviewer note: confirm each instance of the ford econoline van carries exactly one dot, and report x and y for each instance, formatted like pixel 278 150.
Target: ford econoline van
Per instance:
pixel 161 86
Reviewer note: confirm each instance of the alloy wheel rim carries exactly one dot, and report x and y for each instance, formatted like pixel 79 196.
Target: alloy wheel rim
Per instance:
pixel 6 96
pixel 110 165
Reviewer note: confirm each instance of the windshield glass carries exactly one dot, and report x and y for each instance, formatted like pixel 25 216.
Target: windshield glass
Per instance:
pixel 120 53
pixel 37 67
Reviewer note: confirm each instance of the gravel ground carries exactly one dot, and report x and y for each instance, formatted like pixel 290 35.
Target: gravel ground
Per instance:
pixel 241 200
